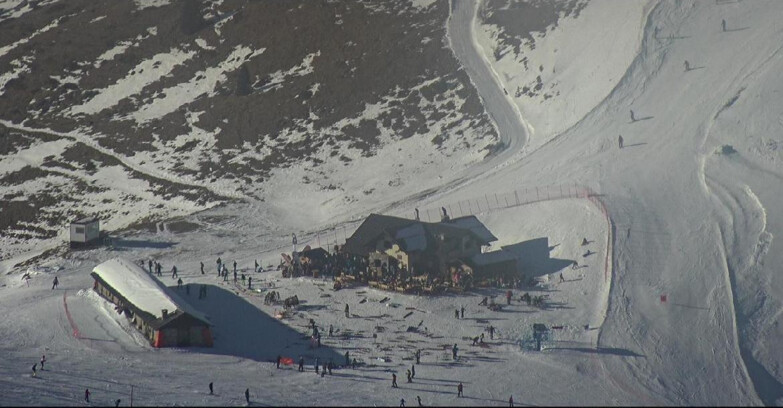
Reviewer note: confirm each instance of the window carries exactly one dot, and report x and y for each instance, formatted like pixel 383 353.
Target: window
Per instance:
pixel 80 230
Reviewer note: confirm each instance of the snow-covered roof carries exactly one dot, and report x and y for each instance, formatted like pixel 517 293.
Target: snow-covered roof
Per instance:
pixel 142 289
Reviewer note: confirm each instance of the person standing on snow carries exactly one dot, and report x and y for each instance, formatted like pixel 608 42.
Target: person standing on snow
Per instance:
pixel 413 370
pixel 454 351
pixel 394 380
pixel 43 360
pixel 35 366
pixel 402 402
pixel 511 401
pixel 211 390
pixel 459 390
pixel 256 266
pixel 173 271
pixel 55 282
pixel 250 282
pixel 347 360
pixel 179 283
pixel 620 141
pixel 202 268
pixel 462 312
pixel 346 311
pixel 87 394
pixel 301 363
pixel 247 395
pixel 149 264
pixel 235 266
pixel 418 399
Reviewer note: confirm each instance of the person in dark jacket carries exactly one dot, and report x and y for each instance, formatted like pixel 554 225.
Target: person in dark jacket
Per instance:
pixel 247 395
pixel 394 380
pixel 211 390
pixel 87 394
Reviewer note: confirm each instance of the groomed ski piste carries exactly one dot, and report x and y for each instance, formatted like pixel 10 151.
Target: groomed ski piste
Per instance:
pixel 677 302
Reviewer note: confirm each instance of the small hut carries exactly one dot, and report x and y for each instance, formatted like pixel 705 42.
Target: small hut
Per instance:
pixel 85 231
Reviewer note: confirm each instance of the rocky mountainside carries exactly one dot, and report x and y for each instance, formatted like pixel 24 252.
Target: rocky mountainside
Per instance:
pixel 139 111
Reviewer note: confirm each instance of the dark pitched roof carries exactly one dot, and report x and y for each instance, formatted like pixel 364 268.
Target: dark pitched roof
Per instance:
pixel 473 224
pixel 370 229
pixel 413 235
pixel 316 254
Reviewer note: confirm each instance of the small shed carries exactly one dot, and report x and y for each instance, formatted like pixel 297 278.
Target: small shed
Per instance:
pixel 161 315
pixel 85 231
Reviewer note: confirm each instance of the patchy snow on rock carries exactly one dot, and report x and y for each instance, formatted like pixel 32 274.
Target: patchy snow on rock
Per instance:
pixel 4 50
pixel 203 44
pixel 202 83
pixel 145 73
pixel 142 4
pixel 20 66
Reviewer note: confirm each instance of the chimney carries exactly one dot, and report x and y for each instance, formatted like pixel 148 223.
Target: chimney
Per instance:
pixel 164 312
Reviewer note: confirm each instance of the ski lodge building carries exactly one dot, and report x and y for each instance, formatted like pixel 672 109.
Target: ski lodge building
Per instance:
pixel 449 251
pixel 164 318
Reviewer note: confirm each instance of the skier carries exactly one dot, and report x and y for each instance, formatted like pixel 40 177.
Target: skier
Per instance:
pixel 87 394
pixel 173 271
pixel 402 402
pixel 459 390
pixel 491 332
pixel 35 365
pixel 347 360
pixel 250 282
pixel 247 395
pixel 301 364
pixel 43 361
pixel 235 266
pixel 179 283
pixel 454 351
pixel 256 265
pixel 687 66
pixel 456 313
pixel 408 375
pixel 620 141
pixel 574 265
pixel 462 312
pixel 481 338
pixel 346 310
pixel 511 401
pixel 418 399
pixel 417 214
pixel 723 25
pixel 202 268
pixel 117 402
pixel 561 278
pixel 55 282
pixel 483 301
pixel 394 380
pixel 331 330
pixel 584 241
pixel 508 297
pixel 633 117
pixel 413 370
pixel 149 264
pixel 418 356
pixel 211 390
pixel 278 360
pixel 353 363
